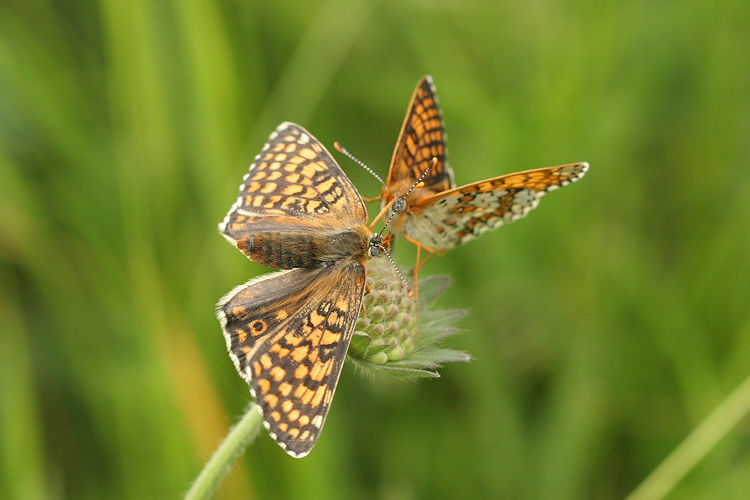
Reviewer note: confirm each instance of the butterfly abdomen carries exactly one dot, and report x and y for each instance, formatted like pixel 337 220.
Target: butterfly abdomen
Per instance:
pixel 279 249
pixel 292 249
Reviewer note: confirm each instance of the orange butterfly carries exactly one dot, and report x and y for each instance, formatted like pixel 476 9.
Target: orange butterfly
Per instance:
pixel 288 332
pixel 438 215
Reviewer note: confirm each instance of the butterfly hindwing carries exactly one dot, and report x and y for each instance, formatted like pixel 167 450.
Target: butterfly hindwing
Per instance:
pixel 288 334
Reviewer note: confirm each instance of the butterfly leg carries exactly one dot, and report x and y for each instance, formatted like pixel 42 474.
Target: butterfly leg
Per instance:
pixel 418 266
pixel 374 198
pixel 420 263
pixel 423 262
pixel 382 212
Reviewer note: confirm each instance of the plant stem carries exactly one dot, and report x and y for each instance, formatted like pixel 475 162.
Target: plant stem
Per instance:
pixel 694 447
pixel 226 454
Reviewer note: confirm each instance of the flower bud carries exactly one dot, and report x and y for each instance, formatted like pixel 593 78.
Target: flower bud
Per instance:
pixel 389 335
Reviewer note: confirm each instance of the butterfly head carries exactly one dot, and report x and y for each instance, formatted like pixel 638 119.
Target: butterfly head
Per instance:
pixel 380 244
pixel 376 245
pixel 399 205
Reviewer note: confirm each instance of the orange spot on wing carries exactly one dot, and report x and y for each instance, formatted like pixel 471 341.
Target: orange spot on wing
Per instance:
pixel 265 360
pixel 277 373
pixel 241 335
pixel 330 337
pixel 292 189
pixel 316 319
pixel 316 400
pixel 299 354
pixel 271 399
pixel 313 357
pixel 320 370
pixel 313 205
pixel 285 388
pixel 308 154
pixel 326 185
pixel 264 385
pixel 300 390
pixel 307 396
pixel 301 371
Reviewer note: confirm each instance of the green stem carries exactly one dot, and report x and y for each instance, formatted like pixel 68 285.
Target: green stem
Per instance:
pixel 226 454
pixel 683 458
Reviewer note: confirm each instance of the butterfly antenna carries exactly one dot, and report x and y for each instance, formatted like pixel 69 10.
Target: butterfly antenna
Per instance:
pixel 342 149
pixel 399 204
pixel 390 218
pixel 433 162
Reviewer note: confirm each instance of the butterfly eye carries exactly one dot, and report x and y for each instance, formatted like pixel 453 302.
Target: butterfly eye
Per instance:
pixel 376 244
pixel 399 205
pixel 375 250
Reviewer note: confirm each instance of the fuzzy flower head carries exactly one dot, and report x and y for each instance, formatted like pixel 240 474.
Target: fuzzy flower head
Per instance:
pixel 398 334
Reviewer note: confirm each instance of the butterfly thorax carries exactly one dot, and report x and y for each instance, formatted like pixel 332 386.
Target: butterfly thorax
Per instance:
pixel 311 250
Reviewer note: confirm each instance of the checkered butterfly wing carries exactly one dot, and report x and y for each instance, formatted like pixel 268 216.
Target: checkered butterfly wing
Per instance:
pixel 293 184
pixel 288 333
pixel 422 138
pixel 447 219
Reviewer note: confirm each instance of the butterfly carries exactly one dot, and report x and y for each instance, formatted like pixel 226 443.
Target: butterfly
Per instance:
pixel 288 332
pixel 437 215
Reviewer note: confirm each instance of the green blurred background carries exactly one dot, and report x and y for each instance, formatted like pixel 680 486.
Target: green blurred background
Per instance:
pixel 604 327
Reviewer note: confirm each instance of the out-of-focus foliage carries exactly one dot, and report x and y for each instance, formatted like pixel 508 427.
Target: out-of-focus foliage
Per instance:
pixel 604 327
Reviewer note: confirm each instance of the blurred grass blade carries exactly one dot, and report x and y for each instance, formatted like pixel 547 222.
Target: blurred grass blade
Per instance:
pixel 22 463
pixel 714 428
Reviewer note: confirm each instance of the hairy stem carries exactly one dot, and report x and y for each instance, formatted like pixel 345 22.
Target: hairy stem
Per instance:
pixel 226 454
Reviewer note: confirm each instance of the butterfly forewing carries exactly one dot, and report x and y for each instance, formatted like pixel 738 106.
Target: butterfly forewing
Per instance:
pixel 422 138
pixel 288 334
pixel 447 219
pixel 294 182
